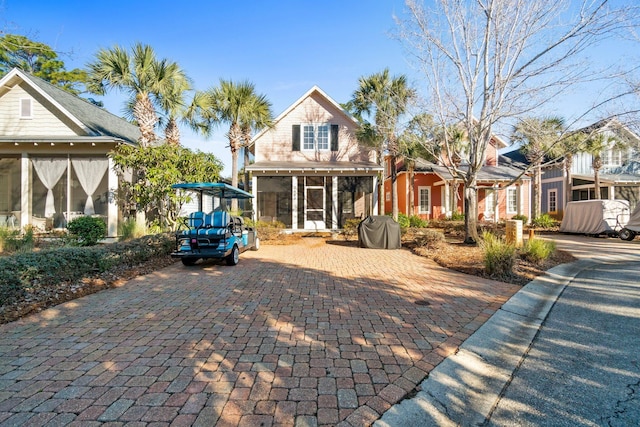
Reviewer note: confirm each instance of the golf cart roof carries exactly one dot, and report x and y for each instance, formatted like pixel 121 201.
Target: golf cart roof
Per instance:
pixel 215 189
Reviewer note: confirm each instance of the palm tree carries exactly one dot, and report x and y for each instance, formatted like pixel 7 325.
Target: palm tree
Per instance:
pixel 172 103
pixel 596 143
pixel 238 105
pixel 538 137
pixel 566 148
pixel 140 75
pixel 387 98
pixel 257 115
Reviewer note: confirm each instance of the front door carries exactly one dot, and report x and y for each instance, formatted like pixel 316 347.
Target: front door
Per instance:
pixel 314 203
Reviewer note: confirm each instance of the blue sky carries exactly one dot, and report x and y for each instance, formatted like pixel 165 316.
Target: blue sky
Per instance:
pixel 283 47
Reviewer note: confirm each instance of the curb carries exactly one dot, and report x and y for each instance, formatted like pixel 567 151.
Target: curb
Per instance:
pixel 465 387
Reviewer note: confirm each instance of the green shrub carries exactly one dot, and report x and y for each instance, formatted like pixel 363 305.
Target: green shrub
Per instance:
pixel 537 250
pixel 130 229
pixel 403 220
pixel 25 273
pixel 456 216
pixel 350 227
pixel 12 241
pixel 416 222
pixel 499 257
pixel 544 221
pixel 87 230
pixel 429 238
pixel 520 217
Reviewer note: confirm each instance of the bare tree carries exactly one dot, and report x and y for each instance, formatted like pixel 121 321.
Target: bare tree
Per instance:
pixel 488 62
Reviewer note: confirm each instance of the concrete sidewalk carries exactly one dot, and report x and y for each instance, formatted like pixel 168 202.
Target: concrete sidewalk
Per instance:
pixel 465 387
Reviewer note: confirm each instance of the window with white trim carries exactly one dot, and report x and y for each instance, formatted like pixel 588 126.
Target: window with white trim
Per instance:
pixel 315 137
pixel 424 200
pixel 26 108
pixel 552 200
pixel 612 158
pixel 512 200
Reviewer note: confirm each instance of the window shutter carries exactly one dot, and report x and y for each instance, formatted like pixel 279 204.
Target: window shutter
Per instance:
pixel 334 137
pixel 295 133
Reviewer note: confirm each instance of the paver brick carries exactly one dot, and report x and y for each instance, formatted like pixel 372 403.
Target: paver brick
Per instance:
pixel 307 334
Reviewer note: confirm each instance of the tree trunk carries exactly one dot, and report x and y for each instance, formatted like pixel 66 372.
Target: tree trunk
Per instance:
pixel 568 190
pixel 471 213
pixel 412 203
pixel 537 196
pixel 235 135
pixel 597 164
pixel 145 115
pixel 249 203
pixel 394 188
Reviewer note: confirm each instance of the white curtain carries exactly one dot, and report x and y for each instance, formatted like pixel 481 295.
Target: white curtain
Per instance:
pixel 49 171
pixel 90 172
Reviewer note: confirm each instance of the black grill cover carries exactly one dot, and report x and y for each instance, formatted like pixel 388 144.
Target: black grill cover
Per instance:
pixel 379 232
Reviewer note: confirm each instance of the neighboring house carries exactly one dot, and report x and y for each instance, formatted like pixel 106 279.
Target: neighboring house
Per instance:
pixel 619 175
pixel 54 163
pixel 503 191
pixel 310 172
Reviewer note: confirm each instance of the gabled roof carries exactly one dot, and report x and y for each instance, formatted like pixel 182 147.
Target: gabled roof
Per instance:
pixel 314 89
pixel 96 121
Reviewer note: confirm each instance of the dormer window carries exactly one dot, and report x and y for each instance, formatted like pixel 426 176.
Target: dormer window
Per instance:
pixel 315 137
pixel 26 108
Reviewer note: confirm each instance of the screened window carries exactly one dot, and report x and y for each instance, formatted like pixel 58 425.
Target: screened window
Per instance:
pixel 424 199
pixel 553 200
pixel 512 200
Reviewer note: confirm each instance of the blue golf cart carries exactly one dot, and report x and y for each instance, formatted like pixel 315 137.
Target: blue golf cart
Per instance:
pixel 216 234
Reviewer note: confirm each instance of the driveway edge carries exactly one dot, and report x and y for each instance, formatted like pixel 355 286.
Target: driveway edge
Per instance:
pixel 465 387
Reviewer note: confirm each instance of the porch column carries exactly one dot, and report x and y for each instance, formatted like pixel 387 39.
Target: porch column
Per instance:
pixel 375 194
pixel 112 205
pixel 334 202
pixel 254 190
pixel 294 202
pixel 25 190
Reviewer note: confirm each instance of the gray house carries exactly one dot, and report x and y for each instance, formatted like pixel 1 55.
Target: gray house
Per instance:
pixel 619 175
pixel 54 163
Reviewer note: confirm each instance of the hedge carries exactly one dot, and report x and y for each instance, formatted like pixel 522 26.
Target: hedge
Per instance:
pixel 22 272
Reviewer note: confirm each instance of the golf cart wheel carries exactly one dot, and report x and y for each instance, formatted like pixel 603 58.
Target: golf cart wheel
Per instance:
pixel 234 256
pixel 189 261
pixel 256 244
pixel 626 234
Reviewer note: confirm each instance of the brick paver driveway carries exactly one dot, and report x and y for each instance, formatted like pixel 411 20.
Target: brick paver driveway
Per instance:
pixel 311 334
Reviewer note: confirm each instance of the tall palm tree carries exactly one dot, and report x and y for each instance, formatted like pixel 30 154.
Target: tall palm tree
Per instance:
pixel 238 105
pixel 257 115
pixel 173 104
pixel 566 148
pixel 386 98
pixel 537 137
pixel 596 143
pixel 137 73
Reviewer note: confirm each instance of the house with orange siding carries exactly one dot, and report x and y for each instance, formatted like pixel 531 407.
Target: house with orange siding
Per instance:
pixel 503 191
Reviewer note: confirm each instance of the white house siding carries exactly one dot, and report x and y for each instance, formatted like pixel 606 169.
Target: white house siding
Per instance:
pixel 43 122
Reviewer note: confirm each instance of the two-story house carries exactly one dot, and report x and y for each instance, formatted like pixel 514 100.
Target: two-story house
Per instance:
pixel 619 174
pixel 503 190
pixel 54 163
pixel 310 172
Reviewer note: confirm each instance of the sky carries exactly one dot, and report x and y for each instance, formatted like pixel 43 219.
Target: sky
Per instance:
pixel 283 47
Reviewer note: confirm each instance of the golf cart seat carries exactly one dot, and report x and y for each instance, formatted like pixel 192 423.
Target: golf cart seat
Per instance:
pixel 208 225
